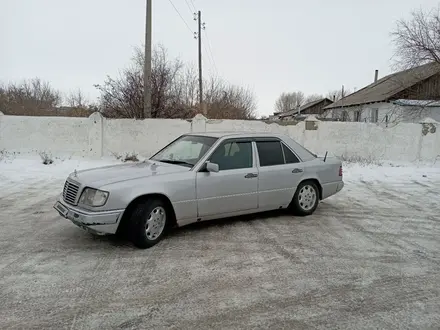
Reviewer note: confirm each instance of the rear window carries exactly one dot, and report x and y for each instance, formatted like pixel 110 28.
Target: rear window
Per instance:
pixel 289 156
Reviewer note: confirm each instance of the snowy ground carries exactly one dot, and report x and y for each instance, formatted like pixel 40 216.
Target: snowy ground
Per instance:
pixel 368 258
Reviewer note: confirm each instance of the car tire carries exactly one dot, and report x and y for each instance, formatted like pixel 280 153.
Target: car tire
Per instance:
pixel 148 223
pixel 306 199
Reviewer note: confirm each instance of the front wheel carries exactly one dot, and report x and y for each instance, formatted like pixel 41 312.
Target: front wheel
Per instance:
pixel 148 223
pixel 306 199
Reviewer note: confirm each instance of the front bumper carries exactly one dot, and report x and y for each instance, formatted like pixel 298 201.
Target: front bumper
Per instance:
pixel 101 222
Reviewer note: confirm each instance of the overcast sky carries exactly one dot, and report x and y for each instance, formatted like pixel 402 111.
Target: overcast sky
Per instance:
pixel 269 46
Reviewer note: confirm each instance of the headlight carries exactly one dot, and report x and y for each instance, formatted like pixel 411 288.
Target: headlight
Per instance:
pixel 93 197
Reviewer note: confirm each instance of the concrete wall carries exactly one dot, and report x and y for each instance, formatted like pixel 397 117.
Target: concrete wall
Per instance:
pixel 96 136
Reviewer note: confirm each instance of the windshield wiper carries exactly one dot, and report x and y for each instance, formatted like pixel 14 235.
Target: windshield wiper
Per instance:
pixel 176 162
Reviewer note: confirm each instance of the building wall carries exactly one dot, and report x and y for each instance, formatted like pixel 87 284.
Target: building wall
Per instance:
pixel 317 109
pixel 428 89
pixel 96 136
pixel 386 112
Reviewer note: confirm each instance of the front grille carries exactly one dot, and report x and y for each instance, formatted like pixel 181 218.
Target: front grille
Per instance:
pixel 70 192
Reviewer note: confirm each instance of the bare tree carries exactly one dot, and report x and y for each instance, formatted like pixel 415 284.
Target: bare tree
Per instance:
pixel 289 101
pixel 123 96
pixel 4 99
pixel 337 94
pixel 29 97
pixel 229 101
pixel 185 89
pixel 76 99
pixel 313 97
pixel 174 91
pixel 417 40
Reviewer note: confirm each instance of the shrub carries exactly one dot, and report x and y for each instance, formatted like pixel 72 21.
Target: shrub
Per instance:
pixel 46 158
pixel 130 157
pixel 360 160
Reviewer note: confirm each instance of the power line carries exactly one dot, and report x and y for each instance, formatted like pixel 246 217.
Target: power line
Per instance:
pixel 178 12
pixel 192 2
pixel 191 10
pixel 210 51
pixel 208 56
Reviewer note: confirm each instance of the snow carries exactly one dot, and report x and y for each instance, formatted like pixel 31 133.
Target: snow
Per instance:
pixel 367 258
pixel 311 118
pixel 423 103
pixel 25 171
pixel 429 120
pixel 391 172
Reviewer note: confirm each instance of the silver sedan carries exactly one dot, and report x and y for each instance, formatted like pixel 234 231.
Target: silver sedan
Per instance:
pixel 199 177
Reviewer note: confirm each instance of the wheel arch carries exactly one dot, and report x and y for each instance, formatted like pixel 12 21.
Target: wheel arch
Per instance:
pixel 141 199
pixel 316 182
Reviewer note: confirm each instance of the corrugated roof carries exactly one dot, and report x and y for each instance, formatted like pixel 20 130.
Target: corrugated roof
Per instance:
pixel 388 86
pixel 302 108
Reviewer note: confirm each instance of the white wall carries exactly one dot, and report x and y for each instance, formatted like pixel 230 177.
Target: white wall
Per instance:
pixel 59 134
pixel 96 136
pixel 141 136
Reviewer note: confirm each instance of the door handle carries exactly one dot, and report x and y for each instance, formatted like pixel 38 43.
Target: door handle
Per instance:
pixel 251 175
pixel 297 170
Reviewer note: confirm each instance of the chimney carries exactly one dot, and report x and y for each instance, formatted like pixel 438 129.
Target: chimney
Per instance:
pixel 376 74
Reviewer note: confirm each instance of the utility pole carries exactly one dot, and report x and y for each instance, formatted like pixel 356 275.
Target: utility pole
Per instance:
pixel 147 62
pixel 199 18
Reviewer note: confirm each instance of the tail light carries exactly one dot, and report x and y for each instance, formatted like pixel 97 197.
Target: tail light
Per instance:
pixel 340 170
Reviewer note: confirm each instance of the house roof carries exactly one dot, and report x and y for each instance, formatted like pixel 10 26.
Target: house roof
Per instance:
pixel 303 107
pixel 385 88
pixel 417 103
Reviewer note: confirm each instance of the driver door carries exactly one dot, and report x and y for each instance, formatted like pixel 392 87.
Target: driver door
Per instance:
pixel 235 187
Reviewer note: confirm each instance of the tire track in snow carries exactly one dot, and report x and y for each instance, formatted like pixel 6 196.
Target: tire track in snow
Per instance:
pixel 267 236
pixel 384 239
pixel 97 277
pixel 389 196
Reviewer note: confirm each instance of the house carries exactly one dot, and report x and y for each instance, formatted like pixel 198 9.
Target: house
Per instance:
pixel 405 96
pixel 311 108
pixel 275 116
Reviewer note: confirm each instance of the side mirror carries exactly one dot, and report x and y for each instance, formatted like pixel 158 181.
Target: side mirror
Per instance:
pixel 212 167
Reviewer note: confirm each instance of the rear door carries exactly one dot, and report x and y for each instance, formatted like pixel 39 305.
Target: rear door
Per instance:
pixel 280 172
pixel 234 188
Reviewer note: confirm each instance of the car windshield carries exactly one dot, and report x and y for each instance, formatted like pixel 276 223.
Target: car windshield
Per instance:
pixel 185 151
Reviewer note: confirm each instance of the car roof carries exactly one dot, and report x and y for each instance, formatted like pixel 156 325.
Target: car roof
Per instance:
pixel 236 134
pixel 301 151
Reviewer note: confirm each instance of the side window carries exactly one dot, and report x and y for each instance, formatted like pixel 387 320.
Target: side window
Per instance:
pixel 270 153
pixel 289 155
pixel 233 155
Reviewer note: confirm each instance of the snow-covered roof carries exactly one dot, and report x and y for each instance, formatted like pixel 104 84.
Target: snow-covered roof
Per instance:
pixel 417 103
pixel 428 120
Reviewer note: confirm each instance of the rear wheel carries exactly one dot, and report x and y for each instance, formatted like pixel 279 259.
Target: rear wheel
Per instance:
pixel 148 223
pixel 306 198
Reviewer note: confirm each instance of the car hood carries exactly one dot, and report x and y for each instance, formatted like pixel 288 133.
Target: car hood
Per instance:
pixel 101 176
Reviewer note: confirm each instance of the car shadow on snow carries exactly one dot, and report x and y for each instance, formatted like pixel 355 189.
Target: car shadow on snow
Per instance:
pixel 231 221
pixel 92 241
